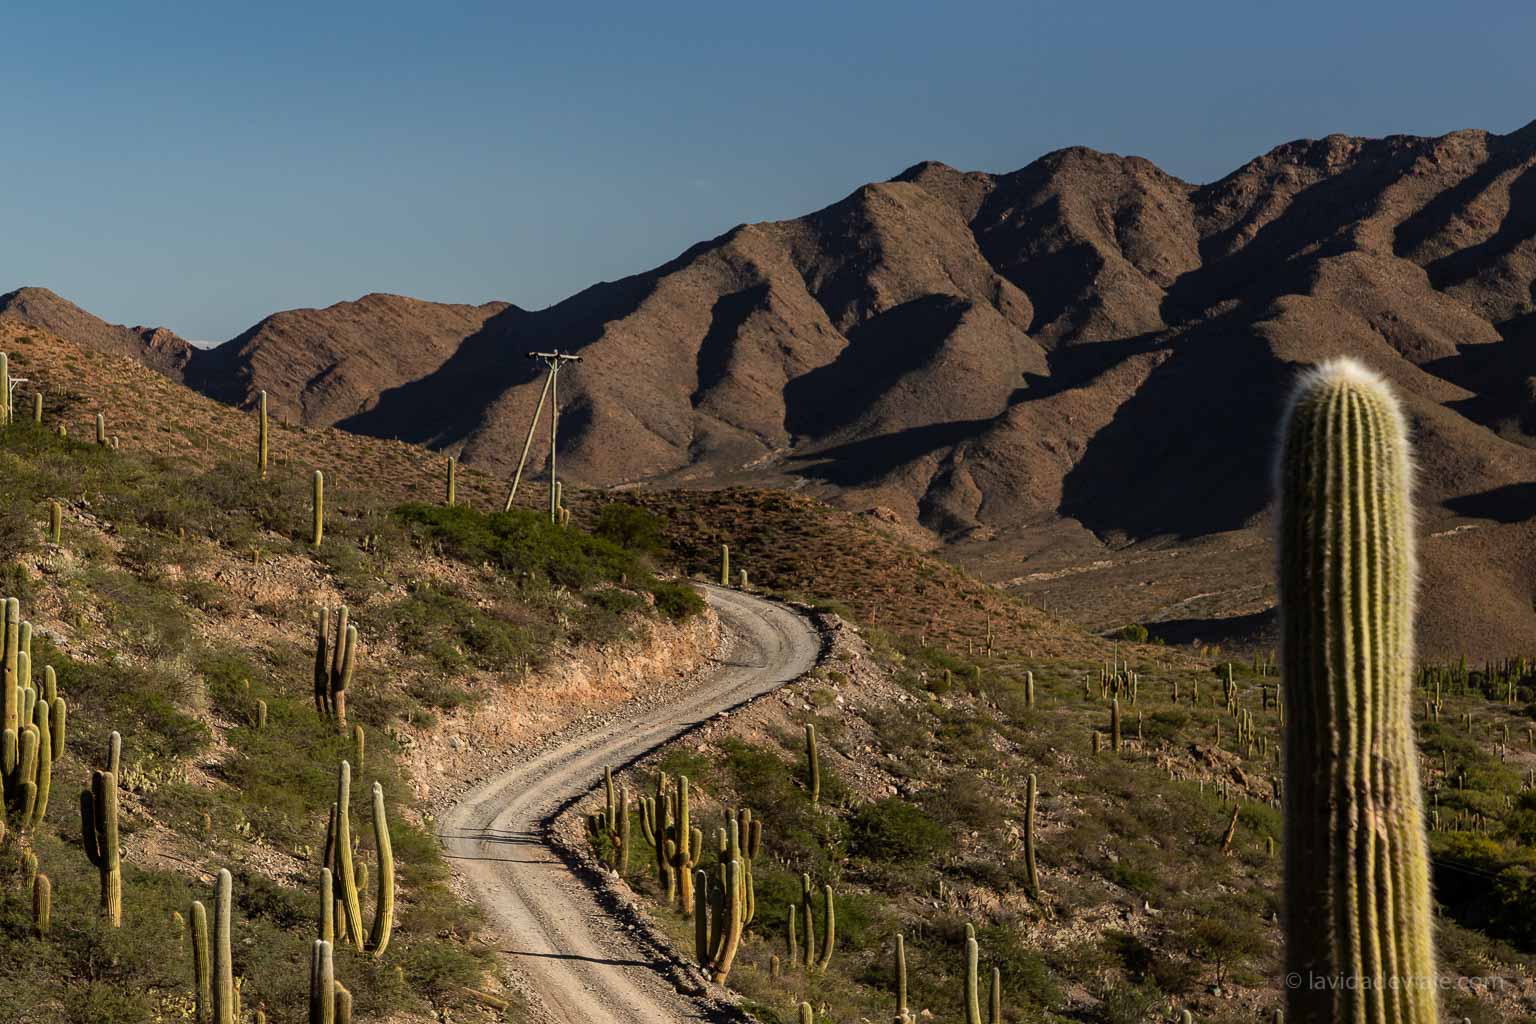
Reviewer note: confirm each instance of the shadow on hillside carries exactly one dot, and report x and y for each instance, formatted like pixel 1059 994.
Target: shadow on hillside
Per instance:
pixel 1236 630
pixel 866 461
pixel 879 352
pixel 1188 454
pixel 1512 503
pixel 1517 228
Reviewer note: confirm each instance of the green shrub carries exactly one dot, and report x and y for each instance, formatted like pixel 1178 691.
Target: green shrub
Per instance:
pixel 893 829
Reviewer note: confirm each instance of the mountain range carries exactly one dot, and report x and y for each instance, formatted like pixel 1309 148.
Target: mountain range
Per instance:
pixel 1068 375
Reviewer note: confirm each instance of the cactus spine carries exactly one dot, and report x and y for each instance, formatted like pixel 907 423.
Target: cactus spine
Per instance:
pixel 317 510
pixel 261 434
pixel 1356 859
pixel 98 826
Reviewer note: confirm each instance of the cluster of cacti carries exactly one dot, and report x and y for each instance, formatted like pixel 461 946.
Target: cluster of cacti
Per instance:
pixel 261 434
pixel 1356 858
pixel 721 907
pixel 317 510
pixel 329 1000
pixel 34 718
pixel 972 993
pixel 352 875
pixel 334 663
pixel 610 826
pixel 1116 678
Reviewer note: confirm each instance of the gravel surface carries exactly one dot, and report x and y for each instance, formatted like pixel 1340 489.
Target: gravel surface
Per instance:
pixel 576 960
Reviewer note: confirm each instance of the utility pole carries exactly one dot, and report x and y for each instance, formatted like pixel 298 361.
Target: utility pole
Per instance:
pixel 554 360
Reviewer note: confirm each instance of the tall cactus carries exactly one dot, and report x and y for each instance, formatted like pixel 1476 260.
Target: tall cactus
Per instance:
pixel 261 434
pixel 1031 799
pixel 55 523
pixel 202 962
pixel 1356 859
pixel 5 389
pixel 351 877
pixel 828 928
pixel 684 848
pixel 972 988
pixel 224 998
pixel 98 827
pixel 725 565
pixel 344 871
pixel 101 429
pixel 384 902
pixel 451 498
pixel 903 1014
pixel 317 510
pixel 812 763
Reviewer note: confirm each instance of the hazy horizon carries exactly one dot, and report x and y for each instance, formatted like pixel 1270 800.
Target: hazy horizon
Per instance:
pixel 201 168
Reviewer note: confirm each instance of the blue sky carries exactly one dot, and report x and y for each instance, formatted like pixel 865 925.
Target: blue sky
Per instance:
pixel 199 166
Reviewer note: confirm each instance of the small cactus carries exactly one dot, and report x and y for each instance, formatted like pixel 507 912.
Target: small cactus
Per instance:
pixel 55 523
pixel 101 429
pixel 1031 800
pixel 42 905
pixel 812 763
pixel 317 510
pixel 202 963
pixel 261 434
pixel 725 565
pixel 37 408
pixel 451 498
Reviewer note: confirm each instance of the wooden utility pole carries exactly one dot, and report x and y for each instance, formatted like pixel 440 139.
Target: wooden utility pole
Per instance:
pixel 554 360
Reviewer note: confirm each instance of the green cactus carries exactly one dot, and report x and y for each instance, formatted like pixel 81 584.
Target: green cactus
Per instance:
pixel 453 477
pixel 807 1016
pixel 352 877
pixel 720 912
pixel 1356 859
pixel 12 721
pixel 261 434
pixel 334 665
pixel 995 1000
pixel 327 917
pixel 55 523
pixel 202 963
pixel 37 408
pixel 972 988
pixel 684 848
pixel 322 983
pixel 725 565
pixel 1114 725
pixel 812 763
pixel 808 920
pixel 384 902
pixel 828 928
pixel 5 389
pixel 98 826
pixel 42 905
pixel 224 999
pixel 344 869
pixel 317 510
pixel 1031 801
pixel 903 1015
pixel 1029 689
pixel 791 939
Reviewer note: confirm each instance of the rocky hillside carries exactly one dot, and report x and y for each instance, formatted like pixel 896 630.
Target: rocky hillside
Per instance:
pixel 1068 374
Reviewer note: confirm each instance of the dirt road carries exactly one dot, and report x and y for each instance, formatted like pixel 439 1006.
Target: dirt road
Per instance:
pixel 578 963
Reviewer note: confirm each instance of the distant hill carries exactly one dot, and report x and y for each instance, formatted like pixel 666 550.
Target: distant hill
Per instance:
pixel 1068 374
pixel 155 347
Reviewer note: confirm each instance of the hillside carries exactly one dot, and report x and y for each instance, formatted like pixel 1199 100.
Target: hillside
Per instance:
pixel 1065 374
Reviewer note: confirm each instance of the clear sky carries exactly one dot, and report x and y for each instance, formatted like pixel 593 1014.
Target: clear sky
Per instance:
pixel 200 165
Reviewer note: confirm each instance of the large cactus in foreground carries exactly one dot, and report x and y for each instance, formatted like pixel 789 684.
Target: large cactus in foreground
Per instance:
pixel 98 828
pixel 1356 859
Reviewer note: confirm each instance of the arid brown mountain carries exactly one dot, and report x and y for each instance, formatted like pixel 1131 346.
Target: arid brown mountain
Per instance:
pixel 319 366
pixel 156 347
pixel 1069 374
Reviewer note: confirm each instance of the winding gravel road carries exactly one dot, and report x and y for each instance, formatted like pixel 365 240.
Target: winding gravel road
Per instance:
pixel 578 964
